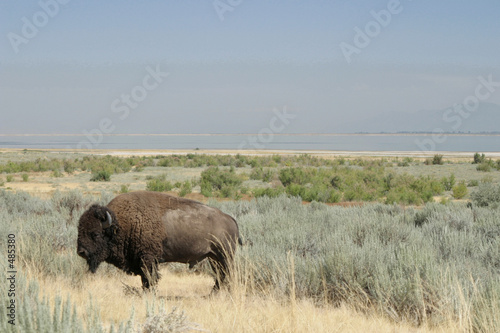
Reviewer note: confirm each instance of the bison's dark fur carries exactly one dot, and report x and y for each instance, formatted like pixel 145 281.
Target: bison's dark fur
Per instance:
pixel 138 230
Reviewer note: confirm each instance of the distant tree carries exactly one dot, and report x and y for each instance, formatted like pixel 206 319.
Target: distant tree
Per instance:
pixel 437 159
pixel 479 158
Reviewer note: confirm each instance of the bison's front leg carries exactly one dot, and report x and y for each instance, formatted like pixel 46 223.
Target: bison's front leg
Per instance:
pixel 149 273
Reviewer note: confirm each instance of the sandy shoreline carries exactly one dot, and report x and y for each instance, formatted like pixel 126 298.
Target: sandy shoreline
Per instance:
pixel 250 134
pixel 319 153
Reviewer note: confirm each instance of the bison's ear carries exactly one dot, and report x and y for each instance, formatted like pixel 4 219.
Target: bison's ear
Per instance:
pixel 104 214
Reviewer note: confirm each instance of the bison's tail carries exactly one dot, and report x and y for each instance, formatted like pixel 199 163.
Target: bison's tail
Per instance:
pixel 240 241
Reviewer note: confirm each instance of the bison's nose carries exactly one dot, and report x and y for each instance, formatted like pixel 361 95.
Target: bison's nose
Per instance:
pixel 82 252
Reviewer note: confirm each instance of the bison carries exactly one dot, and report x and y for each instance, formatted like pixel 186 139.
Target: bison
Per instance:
pixel 138 230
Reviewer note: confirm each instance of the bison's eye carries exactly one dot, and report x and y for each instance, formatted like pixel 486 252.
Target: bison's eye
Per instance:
pixel 95 235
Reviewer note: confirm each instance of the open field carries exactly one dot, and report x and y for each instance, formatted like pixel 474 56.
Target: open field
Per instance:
pixel 311 268
pixel 362 176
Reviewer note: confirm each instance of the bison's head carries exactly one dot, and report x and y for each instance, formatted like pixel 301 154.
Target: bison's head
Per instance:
pixel 95 230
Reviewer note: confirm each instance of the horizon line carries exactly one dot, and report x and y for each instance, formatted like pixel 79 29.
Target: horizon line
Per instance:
pixel 253 134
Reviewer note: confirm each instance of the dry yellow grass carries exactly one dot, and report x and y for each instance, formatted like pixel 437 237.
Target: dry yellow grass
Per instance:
pixel 234 310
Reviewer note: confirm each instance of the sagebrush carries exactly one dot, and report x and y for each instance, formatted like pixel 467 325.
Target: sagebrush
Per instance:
pixel 420 265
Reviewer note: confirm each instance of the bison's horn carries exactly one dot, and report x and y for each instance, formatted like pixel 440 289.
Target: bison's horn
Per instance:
pixel 108 222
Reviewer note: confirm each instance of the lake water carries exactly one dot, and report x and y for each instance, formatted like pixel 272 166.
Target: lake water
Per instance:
pixel 348 142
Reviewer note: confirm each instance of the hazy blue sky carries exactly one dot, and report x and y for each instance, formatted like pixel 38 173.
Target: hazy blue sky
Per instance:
pixel 68 67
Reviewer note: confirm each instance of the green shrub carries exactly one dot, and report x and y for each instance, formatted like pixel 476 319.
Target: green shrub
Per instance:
pixel 487 179
pixel 484 167
pixel 422 217
pixel 69 166
pixel 473 183
pixel 268 175
pixel 334 196
pixel 124 188
pixel 268 192
pixel 225 182
pixel 293 175
pixel 460 190
pixel 434 186
pixel 159 184
pixel 186 188
pixel 437 159
pixel 408 160
pixel 9 178
pixel 310 194
pixel 257 173
pixel 403 195
pixel 486 195
pixel 448 183
pixel 101 176
pixel 206 188
pixel 56 173
pixel 336 182
pixel 229 191
pixel 479 158
pixel 295 190
pixel 405 162
pixel 25 177
pixel 371 183
pixel 350 195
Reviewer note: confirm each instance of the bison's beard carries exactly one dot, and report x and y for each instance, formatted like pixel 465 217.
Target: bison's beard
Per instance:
pixel 93 263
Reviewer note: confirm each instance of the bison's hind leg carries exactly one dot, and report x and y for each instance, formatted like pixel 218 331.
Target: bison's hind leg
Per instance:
pixel 219 266
pixel 221 259
pixel 149 273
